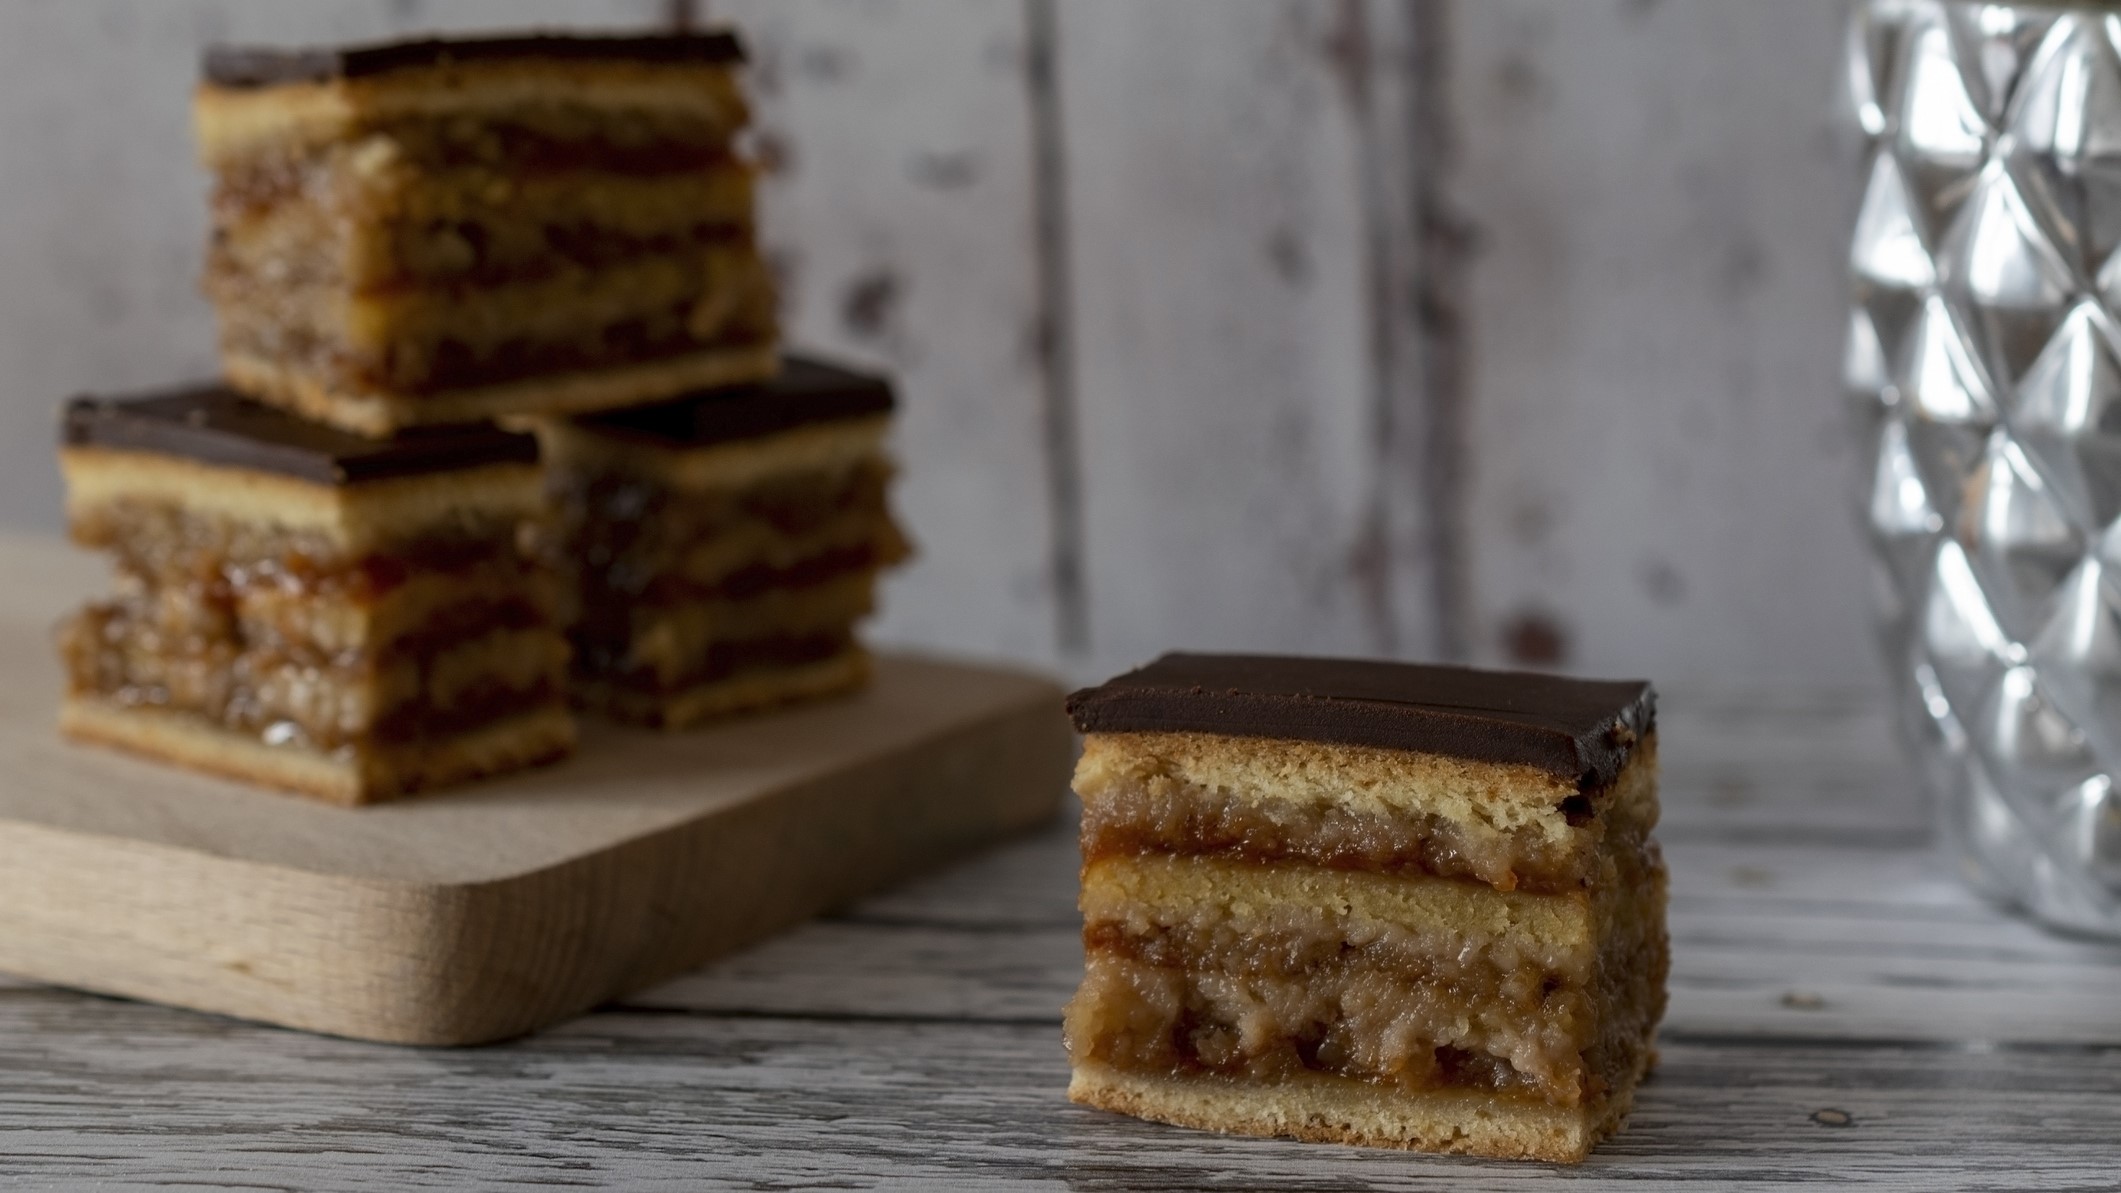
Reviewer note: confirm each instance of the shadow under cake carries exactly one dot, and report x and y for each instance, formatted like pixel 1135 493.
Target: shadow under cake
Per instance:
pixel 348 618
pixel 725 545
pixel 1369 903
pixel 449 231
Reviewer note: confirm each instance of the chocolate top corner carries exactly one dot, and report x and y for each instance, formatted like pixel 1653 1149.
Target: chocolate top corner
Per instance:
pixel 213 425
pixel 1577 730
pixel 267 66
pixel 805 392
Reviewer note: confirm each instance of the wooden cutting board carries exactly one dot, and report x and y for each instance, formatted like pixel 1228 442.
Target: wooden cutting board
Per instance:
pixel 482 913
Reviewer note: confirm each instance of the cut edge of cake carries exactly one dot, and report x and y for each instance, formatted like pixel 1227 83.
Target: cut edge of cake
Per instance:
pixel 306 609
pixel 741 533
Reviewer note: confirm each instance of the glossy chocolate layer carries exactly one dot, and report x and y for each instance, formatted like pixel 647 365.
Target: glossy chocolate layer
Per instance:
pixel 1578 730
pixel 807 391
pixel 214 425
pixel 264 66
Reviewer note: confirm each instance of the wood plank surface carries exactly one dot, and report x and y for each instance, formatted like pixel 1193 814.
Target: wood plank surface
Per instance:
pixel 655 1100
pixel 899 212
pixel 1843 1013
pixel 1229 220
pixel 1660 474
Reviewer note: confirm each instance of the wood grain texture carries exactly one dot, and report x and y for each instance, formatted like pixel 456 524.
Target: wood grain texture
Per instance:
pixel 480 913
pixel 651 1100
pixel 1660 476
pixel 1843 1013
pixel 899 214
pixel 1233 379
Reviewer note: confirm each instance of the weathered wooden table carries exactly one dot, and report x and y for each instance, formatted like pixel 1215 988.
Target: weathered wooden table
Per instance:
pixel 1841 1012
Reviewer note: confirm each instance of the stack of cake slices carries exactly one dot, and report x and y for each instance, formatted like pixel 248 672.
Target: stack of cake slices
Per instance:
pixel 504 428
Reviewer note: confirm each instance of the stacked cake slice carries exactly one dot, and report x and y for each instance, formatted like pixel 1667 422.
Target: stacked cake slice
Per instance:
pixel 337 574
pixel 308 609
pixel 1369 902
pixel 446 231
pixel 726 544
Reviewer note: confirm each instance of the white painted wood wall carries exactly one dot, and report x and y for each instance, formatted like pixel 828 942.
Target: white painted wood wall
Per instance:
pixel 1429 327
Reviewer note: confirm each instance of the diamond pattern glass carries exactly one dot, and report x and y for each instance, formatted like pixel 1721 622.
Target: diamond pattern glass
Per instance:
pixel 1984 359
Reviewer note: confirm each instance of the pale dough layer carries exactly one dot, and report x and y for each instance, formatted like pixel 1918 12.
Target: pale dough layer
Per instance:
pixel 233 122
pixel 1496 797
pixel 1560 931
pixel 725 285
pixel 422 231
pixel 358 518
pixel 1321 1109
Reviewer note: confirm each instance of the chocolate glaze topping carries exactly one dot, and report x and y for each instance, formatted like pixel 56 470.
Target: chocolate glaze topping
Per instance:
pixel 265 66
pixel 1576 730
pixel 806 391
pixel 213 425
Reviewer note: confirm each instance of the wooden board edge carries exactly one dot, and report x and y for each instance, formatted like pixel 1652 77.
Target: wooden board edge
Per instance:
pixel 468 964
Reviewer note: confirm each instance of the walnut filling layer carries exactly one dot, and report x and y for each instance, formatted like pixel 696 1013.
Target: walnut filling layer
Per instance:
pixel 472 227
pixel 722 577
pixel 1292 989
pixel 1143 805
pixel 284 695
pixel 526 140
pixel 634 535
pixel 682 588
pixel 424 341
pixel 643 550
pixel 1634 958
pixel 754 622
pixel 1368 1025
pixel 1280 1002
pixel 275 633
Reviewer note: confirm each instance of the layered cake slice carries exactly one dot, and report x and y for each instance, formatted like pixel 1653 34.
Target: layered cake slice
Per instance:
pixel 448 231
pixel 726 544
pixel 349 618
pixel 1369 903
